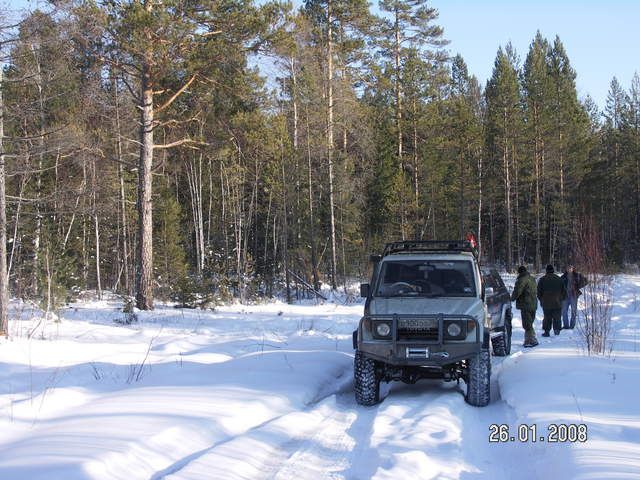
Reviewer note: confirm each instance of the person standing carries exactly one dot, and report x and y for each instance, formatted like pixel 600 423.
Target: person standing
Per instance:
pixel 573 282
pixel 551 293
pixel 524 294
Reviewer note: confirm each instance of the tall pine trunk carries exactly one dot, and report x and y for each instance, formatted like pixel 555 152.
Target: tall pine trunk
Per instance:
pixel 123 202
pixel 144 267
pixel 416 184
pixel 96 224
pixel 312 236
pixel 507 192
pixel 397 87
pixel 4 280
pixel 479 213
pixel 41 145
pixel 398 95
pixel 537 155
pixel 330 143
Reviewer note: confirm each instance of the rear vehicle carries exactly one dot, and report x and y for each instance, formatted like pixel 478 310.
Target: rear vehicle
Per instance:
pixel 498 303
pixel 424 318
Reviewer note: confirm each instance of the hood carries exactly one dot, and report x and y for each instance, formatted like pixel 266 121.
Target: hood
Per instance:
pixel 427 306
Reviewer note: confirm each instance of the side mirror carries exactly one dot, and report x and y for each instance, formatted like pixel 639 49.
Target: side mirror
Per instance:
pixel 375 258
pixel 364 290
pixel 488 291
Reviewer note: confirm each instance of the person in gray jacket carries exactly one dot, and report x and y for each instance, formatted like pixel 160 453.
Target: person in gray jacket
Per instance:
pixel 573 281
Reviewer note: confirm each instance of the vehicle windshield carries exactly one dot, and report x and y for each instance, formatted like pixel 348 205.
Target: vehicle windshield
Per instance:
pixel 426 278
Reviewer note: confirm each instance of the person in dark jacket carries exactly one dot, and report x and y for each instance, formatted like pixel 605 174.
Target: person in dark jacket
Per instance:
pixel 573 282
pixel 551 293
pixel 524 294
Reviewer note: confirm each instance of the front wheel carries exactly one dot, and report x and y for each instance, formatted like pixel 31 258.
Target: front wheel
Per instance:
pixel 365 381
pixel 479 379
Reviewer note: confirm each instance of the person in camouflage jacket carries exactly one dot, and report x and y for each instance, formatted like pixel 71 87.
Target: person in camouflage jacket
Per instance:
pixel 524 294
pixel 551 293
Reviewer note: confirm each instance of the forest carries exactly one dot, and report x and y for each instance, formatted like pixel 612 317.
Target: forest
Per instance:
pixel 203 151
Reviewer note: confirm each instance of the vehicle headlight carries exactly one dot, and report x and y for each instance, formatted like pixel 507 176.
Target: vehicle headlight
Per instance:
pixel 383 329
pixel 454 330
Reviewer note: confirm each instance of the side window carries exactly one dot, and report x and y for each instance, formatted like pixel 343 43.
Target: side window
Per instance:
pixel 489 280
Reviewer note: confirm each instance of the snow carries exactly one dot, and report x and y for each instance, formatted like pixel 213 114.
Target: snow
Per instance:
pixel 265 391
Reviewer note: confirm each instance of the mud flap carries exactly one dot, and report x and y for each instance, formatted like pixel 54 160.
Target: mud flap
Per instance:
pixel 355 339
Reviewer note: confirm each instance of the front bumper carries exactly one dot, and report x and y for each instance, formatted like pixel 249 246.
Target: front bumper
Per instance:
pixel 405 352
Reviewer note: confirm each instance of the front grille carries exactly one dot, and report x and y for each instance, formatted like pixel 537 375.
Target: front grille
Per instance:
pixel 418 329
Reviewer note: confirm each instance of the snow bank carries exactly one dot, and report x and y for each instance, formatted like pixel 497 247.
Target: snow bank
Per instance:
pixel 265 391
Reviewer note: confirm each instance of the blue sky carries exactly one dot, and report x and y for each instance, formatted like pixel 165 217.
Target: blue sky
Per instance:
pixel 602 38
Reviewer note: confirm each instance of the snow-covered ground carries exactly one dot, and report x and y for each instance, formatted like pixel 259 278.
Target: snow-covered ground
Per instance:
pixel 265 391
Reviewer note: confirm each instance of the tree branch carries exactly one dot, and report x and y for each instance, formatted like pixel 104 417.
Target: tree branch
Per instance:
pixel 179 142
pixel 135 96
pixel 176 95
pixel 175 122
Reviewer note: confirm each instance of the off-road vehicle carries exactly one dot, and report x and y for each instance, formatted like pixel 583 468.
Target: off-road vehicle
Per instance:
pixel 498 303
pixel 424 317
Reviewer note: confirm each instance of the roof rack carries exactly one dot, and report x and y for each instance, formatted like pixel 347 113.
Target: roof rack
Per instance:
pixel 442 246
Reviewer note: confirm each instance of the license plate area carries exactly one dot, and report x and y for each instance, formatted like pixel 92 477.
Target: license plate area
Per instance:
pixel 417 352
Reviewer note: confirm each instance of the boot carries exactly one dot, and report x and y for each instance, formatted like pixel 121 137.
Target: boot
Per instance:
pixel 530 340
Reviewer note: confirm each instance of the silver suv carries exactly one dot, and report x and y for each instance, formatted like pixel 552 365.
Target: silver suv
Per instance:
pixel 424 317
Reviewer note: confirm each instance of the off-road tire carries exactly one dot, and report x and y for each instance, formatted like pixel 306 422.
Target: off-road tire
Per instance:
pixel 479 379
pixel 365 381
pixel 502 344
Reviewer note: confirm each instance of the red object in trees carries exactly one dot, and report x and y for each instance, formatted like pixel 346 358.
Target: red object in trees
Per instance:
pixel 471 238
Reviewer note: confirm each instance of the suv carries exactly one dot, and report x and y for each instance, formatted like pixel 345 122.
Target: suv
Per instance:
pixel 424 317
pixel 498 303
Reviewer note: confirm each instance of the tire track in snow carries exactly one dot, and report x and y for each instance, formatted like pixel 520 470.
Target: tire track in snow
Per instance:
pixel 336 438
pixel 332 438
pixel 262 447
pixel 323 455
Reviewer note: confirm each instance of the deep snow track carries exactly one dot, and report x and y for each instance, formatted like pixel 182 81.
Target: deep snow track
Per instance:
pixel 425 430
pixel 264 449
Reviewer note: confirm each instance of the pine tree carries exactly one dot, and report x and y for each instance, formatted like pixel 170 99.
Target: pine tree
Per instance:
pixel 504 124
pixel 335 19
pixel 407 27
pixel 536 84
pixel 165 48
pixel 633 149
pixel 466 139
pixel 568 152
pixel 614 115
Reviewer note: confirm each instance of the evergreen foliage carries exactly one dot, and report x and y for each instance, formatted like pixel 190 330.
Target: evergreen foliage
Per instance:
pixel 365 132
